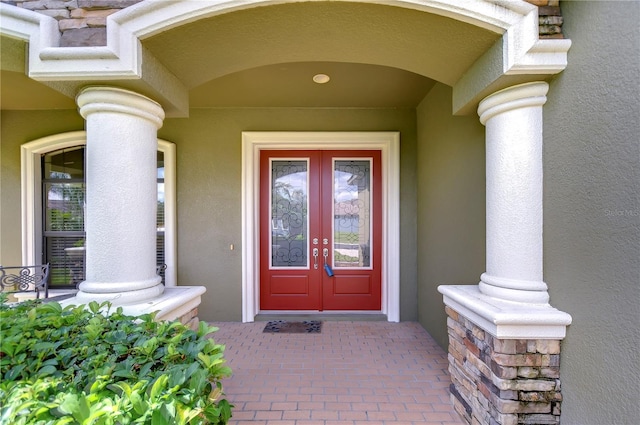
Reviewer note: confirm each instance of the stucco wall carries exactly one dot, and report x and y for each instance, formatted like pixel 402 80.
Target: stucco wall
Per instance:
pixel 209 189
pixel 451 205
pixel 19 127
pixel 592 211
pixel 208 153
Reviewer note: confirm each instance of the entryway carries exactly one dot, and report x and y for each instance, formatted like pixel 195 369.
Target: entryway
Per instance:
pixel 320 230
pixel 307 194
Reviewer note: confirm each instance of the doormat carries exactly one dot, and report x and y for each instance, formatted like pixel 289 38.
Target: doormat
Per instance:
pixel 284 327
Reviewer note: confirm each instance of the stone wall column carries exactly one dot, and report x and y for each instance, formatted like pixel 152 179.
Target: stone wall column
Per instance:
pixel 504 336
pixel 513 120
pixel 121 196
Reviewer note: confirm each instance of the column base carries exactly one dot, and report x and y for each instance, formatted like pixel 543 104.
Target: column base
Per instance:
pixel 506 319
pixel 522 291
pixel 175 303
pixel 121 293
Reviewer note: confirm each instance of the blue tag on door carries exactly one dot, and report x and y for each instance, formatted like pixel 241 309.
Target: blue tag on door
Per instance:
pixel 328 269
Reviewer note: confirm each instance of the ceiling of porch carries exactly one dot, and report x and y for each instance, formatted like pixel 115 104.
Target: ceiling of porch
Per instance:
pixel 376 56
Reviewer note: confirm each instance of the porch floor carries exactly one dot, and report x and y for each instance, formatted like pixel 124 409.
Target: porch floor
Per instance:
pixel 351 373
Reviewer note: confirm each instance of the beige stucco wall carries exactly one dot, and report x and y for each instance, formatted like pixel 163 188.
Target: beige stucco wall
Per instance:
pixel 19 127
pixel 451 205
pixel 592 211
pixel 209 188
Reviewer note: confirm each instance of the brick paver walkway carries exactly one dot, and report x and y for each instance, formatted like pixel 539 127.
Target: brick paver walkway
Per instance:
pixel 353 372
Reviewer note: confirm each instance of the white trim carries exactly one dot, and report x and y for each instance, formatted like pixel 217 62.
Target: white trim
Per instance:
pixel 389 145
pixel 31 179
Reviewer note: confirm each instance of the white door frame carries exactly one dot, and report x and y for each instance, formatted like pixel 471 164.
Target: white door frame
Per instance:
pixel 389 145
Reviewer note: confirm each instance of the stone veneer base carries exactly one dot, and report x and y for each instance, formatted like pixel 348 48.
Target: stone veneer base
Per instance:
pixel 504 358
pixel 502 381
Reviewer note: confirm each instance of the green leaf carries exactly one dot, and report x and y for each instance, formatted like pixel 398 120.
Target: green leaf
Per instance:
pixel 177 376
pixel 96 415
pixel 123 373
pixel 47 370
pixel 145 369
pixel 212 414
pixel 94 307
pixel 121 388
pixel 159 385
pixel 64 421
pixel 198 381
pixel 139 405
pixel 100 383
pixel 204 329
pixel 225 410
pixel 157 418
pixel 76 405
pixel 8 346
pixel 14 372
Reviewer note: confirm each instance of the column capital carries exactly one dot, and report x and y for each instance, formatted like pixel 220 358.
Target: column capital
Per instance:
pixel 520 96
pixel 93 99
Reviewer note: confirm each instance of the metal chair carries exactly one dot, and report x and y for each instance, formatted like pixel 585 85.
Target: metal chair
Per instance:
pixel 25 279
pixel 160 269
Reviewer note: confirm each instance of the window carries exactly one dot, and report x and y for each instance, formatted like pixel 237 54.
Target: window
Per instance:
pixel 53 207
pixel 63 204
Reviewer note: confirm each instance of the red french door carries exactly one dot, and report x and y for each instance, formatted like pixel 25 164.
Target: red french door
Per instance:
pixel 320 230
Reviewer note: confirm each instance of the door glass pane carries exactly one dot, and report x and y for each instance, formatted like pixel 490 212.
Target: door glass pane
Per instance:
pixel 352 213
pixel 289 206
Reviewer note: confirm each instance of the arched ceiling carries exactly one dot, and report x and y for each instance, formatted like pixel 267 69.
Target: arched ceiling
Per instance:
pixel 377 56
pixel 434 46
pixel 291 85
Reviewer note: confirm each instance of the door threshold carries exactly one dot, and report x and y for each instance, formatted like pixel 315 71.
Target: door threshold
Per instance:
pixel 336 316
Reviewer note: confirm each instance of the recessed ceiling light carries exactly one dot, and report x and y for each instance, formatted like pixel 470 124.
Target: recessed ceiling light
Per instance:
pixel 321 78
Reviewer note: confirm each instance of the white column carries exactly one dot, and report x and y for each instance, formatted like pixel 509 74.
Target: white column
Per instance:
pixel 513 120
pixel 511 301
pixel 121 196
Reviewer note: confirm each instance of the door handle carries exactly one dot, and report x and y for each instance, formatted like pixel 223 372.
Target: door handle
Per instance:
pixel 327 267
pixel 315 258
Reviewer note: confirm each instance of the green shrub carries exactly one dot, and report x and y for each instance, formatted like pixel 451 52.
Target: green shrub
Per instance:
pixel 94 366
